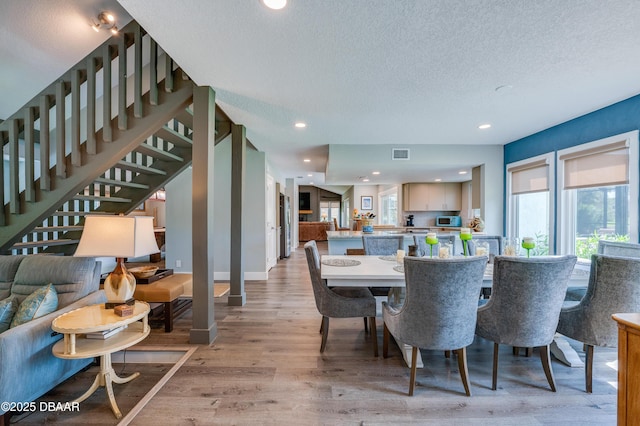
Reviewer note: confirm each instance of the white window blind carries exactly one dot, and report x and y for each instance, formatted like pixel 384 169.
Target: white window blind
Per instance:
pixel 601 166
pixel 530 177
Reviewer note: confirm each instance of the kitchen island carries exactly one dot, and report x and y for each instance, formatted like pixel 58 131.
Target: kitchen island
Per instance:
pixel 340 241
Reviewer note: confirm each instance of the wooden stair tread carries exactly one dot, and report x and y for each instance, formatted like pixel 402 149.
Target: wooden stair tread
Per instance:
pixel 58 228
pixel 62 213
pixel 121 183
pixel 157 153
pixel 185 117
pixel 139 168
pixel 83 197
pixel 44 243
pixel 174 137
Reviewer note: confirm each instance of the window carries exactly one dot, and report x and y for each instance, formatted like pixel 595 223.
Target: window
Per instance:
pixel 529 206
pixel 329 210
pixel 388 202
pixel 346 213
pixel 597 186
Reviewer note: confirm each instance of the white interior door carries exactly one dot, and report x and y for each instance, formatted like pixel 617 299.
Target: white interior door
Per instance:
pixel 271 223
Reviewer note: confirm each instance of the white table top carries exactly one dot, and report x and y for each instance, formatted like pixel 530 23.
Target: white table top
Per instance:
pixel 371 272
pixel 89 319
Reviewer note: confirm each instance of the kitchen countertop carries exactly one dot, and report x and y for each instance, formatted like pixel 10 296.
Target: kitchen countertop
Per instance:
pixel 359 234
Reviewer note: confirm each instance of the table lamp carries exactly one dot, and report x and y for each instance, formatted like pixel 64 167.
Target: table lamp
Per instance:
pixel 119 237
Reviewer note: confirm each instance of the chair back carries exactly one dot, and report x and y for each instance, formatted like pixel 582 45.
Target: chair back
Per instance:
pixel 425 249
pixel 526 298
pixel 381 245
pixel 319 285
pixel 495 244
pixel 613 287
pixel 616 248
pixel 441 302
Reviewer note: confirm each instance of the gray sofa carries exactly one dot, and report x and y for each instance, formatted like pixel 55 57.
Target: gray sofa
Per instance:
pixel 28 369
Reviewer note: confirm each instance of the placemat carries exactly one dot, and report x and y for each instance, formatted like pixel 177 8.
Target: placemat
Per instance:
pixel 389 258
pixel 341 262
pixel 399 268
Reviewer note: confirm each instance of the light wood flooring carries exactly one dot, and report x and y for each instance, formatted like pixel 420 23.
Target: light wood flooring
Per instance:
pixel 265 368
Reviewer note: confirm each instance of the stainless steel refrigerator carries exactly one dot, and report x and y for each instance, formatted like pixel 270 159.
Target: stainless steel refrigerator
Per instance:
pixel 285 226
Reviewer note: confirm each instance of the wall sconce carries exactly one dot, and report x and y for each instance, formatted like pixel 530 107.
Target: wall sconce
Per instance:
pixel 107 21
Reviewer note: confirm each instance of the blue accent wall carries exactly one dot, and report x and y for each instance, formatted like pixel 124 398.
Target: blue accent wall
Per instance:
pixel 618 118
pixel 613 120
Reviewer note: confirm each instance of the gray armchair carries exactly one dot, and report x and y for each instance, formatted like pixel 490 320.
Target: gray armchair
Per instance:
pixel 440 308
pixel 613 288
pixel 616 248
pixel 526 298
pixel 609 248
pixel 339 302
pixel 381 245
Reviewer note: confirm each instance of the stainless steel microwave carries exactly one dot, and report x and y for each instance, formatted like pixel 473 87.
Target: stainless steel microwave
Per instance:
pixel 452 221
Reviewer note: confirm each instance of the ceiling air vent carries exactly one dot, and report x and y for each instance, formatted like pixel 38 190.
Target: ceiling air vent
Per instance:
pixel 400 154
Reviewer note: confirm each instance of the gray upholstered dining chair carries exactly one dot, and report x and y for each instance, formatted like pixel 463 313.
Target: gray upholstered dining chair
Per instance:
pixel 425 249
pixel 617 248
pixel 609 248
pixel 381 245
pixel 613 288
pixel 339 302
pixel 439 311
pixel 526 298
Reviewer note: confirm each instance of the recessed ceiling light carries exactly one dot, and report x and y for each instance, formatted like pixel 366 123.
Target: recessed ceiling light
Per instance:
pixel 365 180
pixel 438 180
pixel 300 125
pixel 307 160
pixel 462 172
pixel 309 175
pixel 375 173
pixel 484 126
pixel 275 4
pixel 310 183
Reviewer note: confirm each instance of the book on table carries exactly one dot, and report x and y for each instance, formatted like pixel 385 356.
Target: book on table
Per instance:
pixel 106 333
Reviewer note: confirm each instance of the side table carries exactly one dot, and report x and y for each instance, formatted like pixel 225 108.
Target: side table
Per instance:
pixel 628 368
pixel 75 324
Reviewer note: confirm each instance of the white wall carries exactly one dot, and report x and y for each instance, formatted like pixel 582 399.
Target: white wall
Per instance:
pixel 178 212
pixel 360 191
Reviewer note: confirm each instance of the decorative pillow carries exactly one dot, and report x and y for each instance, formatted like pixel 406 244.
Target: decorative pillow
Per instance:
pixel 8 308
pixel 41 302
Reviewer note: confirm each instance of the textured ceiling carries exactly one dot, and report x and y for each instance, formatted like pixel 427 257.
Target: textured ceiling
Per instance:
pixel 394 72
pixel 40 40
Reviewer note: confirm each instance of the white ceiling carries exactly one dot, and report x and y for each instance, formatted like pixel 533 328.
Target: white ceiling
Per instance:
pixel 394 72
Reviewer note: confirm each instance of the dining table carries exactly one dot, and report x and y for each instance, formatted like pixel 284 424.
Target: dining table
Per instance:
pixel 375 271
pixel 386 271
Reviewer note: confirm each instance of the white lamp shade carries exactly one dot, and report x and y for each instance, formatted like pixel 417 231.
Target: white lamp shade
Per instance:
pixel 117 236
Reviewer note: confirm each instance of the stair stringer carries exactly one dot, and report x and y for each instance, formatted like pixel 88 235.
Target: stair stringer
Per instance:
pixel 108 154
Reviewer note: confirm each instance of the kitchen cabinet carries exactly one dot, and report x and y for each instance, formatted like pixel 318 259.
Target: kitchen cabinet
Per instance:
pixel 432 196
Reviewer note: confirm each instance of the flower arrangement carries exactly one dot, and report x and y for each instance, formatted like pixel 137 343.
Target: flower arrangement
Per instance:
pixel 358 215
pixel 477 224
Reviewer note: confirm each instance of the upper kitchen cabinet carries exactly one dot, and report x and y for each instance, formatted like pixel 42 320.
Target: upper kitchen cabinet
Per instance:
pixel 432 196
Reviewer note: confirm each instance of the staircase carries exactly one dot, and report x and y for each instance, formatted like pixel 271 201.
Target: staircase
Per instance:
pixel 101 139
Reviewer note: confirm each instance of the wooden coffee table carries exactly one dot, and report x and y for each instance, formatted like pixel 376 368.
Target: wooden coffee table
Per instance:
pixel 75 345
